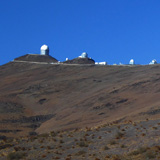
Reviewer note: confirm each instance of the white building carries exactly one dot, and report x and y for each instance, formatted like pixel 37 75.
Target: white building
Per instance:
pixel 44 50
pixel 100 63
pixel 153 61
pixel 131 62
pixel 84 55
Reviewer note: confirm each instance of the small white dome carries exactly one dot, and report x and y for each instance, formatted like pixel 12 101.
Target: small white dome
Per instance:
pixel 153 61
pixel 44 47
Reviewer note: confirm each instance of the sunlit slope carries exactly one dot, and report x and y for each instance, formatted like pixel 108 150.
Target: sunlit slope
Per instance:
pixel 43 97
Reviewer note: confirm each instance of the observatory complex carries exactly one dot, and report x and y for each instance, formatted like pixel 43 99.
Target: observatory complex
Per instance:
pixel 82 59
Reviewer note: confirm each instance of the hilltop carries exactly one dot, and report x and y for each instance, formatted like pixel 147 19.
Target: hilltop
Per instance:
pixel 36 58
pixel 80 61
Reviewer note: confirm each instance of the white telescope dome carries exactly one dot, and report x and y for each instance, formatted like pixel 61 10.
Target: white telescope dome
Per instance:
pixel 84 55
pixel 44 50
pixel 44 47
pixel 153 61
pixel 131 62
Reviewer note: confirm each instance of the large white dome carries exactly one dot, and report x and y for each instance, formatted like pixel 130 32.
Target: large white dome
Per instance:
pixel 44 47
pixel 44 50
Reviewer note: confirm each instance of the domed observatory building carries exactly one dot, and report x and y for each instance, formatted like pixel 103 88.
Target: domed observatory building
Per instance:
pixel 131 62
pixel 82 59
pixel 84 55
pixel 153 62
pixel 42 57
pixel 44 50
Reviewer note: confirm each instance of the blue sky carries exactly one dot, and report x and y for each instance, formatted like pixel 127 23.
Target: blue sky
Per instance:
pixel 108 30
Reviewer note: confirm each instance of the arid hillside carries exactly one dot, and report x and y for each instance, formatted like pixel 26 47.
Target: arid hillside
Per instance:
pixel 45 97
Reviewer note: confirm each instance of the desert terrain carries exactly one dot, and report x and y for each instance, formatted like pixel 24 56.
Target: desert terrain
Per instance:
pixel 64 111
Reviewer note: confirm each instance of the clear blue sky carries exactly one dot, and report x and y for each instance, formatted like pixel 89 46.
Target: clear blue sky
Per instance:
pixel 108 30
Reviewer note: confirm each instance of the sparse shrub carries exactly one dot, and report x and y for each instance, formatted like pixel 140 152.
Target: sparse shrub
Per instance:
pixel 32 134
pixel 32 138
pixel 3 137
pixel 2 155
pixel 45 135
pixel 76 129
pixel 3 146
pixel 118 127
pixel 139 151
pixel 43 156
pixel 9 140
pixel 119 135
pixel 107 156
pixel 83 144
pixel 106 148
pixel 80 153
pixel 157 148
pixel 123 146
pixel 41 141
pixel 54 139
pixel 86 134
pixel 69 135
pixel 97 129
pixel 112 142
pixel 75 140
pixel 143 134
pixel 155 128
pixel 134 124
pixel 61 141
pixel 53 134
pixel 60 135
pixel 116 157
pixel 16 155
pixel 150 155
pixel 17 148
